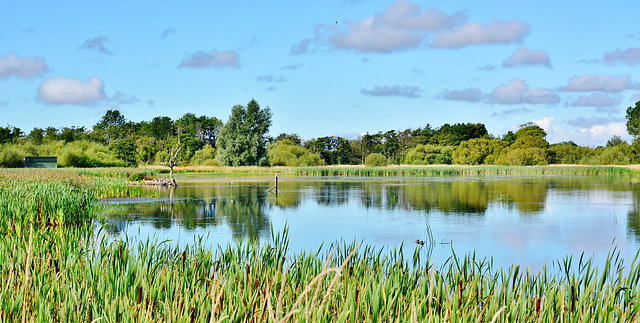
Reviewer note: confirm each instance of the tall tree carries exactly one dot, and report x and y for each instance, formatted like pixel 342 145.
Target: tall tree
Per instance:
pixel 633 120
pixel 242 141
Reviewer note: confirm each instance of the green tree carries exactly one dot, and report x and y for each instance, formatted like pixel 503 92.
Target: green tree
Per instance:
pixel 478 151
pixel 633 120
pixel 242 141
pixel 111 125
pixel 9 134
pixel 286 153
pixel 428 154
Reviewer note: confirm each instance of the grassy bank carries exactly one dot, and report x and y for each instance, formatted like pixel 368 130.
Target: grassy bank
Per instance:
pixel 405 170
pixel 62 275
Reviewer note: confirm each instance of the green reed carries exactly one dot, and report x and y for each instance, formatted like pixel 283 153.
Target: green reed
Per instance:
pixel 69 275
pixel 50 197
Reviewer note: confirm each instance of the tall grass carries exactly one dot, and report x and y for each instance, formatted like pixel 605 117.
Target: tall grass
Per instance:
pixel 50 197
pixel 63 275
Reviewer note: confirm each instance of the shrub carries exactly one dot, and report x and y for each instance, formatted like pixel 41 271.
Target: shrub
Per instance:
pixel 376 160
pixel 204 157
pixel 10 156
pixel 429 155
pixel 478 151
pixel 285 153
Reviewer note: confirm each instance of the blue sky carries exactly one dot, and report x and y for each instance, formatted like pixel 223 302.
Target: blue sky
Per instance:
pixel 325 67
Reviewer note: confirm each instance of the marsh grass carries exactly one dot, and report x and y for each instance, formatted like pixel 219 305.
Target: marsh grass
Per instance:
pixel 65 275
pixel 51 197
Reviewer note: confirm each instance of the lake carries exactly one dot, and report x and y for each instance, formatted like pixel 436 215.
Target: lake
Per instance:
pixel 524 220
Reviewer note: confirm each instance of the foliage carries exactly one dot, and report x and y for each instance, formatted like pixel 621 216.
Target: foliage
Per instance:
pixel 614 141
pixel 242 140
pixel 567 153
pixel 204 157
pixel 9 134
pixel 429 155
pixel 453 135
pixel 10 156
pixel 333 150
pixel 531 156
pixel 478 151
pixel 633 120
pixel 376 160
pixel 286 153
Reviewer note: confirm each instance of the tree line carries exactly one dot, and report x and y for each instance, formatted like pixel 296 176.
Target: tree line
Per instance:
pixel 244 140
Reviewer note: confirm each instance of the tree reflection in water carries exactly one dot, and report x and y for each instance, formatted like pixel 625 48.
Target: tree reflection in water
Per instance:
pixel 245 206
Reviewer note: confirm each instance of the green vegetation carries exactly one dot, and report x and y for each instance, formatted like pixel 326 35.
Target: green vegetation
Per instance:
pixel 376 160
pixel 55 268
pixel 244 141
pixel 63 275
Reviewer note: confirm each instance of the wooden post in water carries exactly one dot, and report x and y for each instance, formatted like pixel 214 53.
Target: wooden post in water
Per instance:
pixel 276 184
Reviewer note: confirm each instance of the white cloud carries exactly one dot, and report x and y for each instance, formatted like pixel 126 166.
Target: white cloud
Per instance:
pixel 21 67
pixel 63 90
pixel 475 33
pixel 468 95
pixel 601 83
pixel 589 132
pixel 524 56
pixel 545 123
pixel 98 44
pixel 405 25
pixel 202 59
pixel 517 91
pixel 401 26
pixel 629 56
pixel 397 90
pixel 598 100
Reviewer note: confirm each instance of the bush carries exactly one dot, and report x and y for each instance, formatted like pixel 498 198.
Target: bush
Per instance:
pixel 429 155
pixel 10 156
pixel 204 157
pixel 376 160
pixel 478 151
pixel 285 153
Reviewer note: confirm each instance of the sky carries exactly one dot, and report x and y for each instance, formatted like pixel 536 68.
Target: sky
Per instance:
pixel 324 68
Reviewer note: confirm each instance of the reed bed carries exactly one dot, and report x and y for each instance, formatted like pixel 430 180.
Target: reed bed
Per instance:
pixel 55 197
pixel 57 275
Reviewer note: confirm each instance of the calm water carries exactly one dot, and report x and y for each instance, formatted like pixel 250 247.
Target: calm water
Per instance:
pixel 528 221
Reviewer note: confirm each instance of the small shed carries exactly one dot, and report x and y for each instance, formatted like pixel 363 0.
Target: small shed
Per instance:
pixel 41 162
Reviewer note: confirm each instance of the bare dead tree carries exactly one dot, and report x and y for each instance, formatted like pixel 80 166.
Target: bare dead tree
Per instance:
pixel 172 160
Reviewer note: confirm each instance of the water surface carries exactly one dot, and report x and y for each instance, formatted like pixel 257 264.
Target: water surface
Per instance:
pixel 523 220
